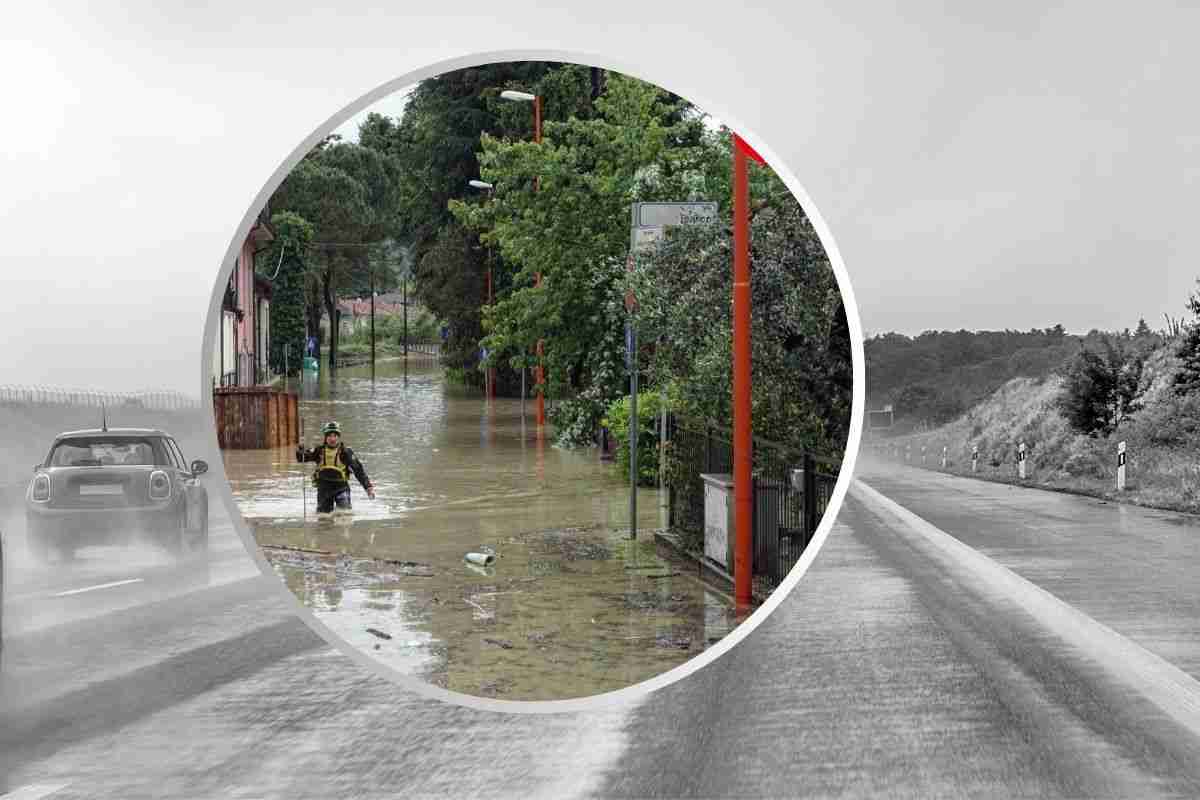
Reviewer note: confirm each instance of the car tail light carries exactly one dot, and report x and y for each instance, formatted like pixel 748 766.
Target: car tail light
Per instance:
pixel 41 488
pixel 160 485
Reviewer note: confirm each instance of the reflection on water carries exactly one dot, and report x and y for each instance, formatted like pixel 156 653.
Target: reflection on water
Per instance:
pixel 570 608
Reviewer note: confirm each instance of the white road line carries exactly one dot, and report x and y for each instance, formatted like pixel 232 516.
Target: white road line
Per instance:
pixel 34 791
pixel 94 588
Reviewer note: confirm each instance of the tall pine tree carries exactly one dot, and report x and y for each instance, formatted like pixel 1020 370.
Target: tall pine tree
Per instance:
pixel 1187 379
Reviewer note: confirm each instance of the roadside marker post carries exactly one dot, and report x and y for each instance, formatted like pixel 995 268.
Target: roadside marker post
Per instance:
pixel 1021 460
pixel 922 455
pixel 944 449
pixel 975 458
pixel 1121 467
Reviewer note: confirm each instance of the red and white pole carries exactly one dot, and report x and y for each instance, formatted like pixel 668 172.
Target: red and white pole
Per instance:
pixel 742 435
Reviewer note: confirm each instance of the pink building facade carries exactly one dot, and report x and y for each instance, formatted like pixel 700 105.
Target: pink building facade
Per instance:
pixel 241 348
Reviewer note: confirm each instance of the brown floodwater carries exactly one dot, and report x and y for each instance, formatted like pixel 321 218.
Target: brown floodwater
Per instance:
pixel 570 607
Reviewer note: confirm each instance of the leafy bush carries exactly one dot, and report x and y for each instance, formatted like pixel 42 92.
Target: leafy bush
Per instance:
pixel 1100 391
pixel 575 418
pixel 617 419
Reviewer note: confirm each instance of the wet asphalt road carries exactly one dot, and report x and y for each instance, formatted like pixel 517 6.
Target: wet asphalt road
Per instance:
pixel 1134 569
pixel 893 670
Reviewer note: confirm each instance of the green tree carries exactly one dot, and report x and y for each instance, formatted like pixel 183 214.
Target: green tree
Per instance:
pixel 801 374
pixel 437 142
pixel 1187 377
pixel 1101 389
pixel 350 195
pixel 640 144
pixel 288 253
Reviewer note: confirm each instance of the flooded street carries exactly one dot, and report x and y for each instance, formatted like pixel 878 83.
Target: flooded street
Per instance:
pixel 570 606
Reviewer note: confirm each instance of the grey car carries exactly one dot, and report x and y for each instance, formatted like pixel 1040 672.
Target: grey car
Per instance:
pixel 114 486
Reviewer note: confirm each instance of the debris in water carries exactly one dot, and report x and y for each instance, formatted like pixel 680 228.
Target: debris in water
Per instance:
pixel 483 612
pixel 498 643
pixel 380 634
pixel 295 549
pixel 680 642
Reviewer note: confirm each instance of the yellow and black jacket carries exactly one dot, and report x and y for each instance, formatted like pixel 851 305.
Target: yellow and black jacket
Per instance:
pixel 334 466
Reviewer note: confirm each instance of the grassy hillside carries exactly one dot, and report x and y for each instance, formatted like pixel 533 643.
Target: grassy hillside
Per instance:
pixel 1163 441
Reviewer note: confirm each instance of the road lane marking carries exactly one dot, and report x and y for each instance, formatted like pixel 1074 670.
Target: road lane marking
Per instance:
pixel 94 588
pixel 34 791
pixel 1174 692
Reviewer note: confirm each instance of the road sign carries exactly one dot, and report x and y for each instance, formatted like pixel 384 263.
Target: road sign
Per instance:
pixel 644 237
pixel 650 220
pixel 659 215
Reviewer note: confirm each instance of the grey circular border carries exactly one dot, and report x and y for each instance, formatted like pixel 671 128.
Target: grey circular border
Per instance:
pixel 637 691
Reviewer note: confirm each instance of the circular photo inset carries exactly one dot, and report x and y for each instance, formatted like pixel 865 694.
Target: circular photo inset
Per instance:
pixel 532 381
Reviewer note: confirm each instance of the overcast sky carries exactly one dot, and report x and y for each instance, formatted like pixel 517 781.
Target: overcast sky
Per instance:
pixel 1013 166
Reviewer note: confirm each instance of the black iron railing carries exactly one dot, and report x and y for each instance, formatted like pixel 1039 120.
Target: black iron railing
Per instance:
pixel 792 489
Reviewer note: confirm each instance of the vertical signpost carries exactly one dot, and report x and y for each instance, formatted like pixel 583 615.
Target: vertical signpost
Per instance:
pixel 922 455
pixel 1021 460
pixel 1121 467
pixel 944 450
pixel 648 225
pixel 975 458
pixel 631 365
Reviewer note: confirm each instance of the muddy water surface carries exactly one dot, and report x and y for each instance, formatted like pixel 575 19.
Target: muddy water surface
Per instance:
pixel 570 606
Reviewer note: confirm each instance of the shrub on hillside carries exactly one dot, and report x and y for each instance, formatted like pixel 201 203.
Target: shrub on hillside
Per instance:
pixel 1173 421
pixel 1100 390
pixel 1187 378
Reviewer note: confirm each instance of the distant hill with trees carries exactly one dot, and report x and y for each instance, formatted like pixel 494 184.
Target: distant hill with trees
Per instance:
pixel 1072 400
pixel 937 376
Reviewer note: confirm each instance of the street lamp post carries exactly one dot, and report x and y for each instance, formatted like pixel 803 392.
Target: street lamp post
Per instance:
pixel 491 298
pixel 539 372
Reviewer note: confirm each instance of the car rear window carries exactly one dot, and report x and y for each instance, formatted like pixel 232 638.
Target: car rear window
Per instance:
pixel 103 451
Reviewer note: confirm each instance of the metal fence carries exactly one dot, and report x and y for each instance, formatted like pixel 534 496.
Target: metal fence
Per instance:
pixel 791 490
pixel 40 395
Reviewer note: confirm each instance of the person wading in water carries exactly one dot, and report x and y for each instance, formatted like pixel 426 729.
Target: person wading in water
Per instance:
pixel 334 463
